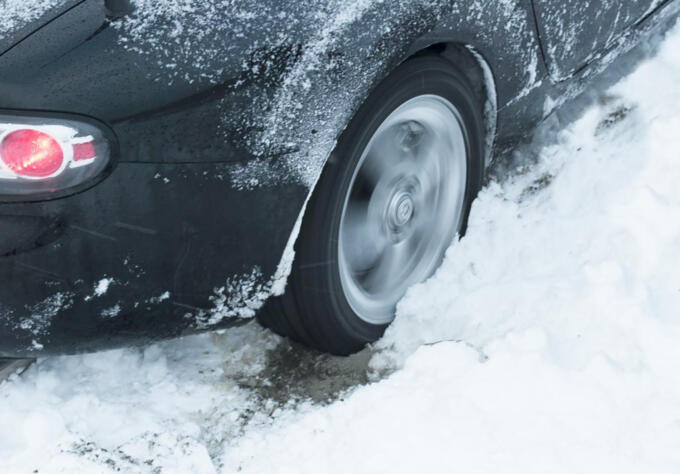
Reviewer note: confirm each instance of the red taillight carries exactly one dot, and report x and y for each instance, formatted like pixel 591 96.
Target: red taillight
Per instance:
pixel 31 153
pixel 84 151
pixel 43 156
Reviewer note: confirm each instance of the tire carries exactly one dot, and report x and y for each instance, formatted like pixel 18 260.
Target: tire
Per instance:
pixel 332 303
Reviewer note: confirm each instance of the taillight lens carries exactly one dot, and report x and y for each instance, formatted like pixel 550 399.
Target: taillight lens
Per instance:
pixel 84 151
pixel 48 155
pixel 31 153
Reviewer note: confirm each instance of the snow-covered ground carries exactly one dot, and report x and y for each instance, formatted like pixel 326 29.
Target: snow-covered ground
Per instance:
pixel 548 342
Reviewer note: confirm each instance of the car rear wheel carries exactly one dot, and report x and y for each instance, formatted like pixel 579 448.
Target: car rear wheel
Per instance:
pixel 395 192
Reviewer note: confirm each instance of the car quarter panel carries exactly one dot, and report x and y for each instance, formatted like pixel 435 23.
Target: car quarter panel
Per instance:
pixel 224 124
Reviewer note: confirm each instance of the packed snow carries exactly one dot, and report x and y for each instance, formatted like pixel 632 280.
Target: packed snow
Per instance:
pixel 546 343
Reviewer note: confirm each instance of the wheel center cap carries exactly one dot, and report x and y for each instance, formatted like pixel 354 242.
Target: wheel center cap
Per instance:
pixel 401 210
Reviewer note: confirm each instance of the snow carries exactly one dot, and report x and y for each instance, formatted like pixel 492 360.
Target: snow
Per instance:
pixel 491 105
pixel 99 289
pixel 285 266
pixel 240 297
pixel 307 69
pixel 16 14
pixel 111 312
pixel 547 341
pixel 102 286
pixel 159 299
pixel 42 313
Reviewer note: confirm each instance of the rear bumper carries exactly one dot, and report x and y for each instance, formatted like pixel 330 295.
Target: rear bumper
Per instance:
pixel 138 257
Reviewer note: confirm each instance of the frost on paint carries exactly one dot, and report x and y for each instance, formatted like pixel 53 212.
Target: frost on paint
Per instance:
pixel 317 93
pixel 334 71
pixel 577 31
pixel 42 313
pixel 16 14
pixel 301 68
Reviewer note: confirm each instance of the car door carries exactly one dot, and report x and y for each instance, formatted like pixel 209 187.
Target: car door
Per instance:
pixel 572 32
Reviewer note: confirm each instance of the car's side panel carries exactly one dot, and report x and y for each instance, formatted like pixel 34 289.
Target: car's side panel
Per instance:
pixel 218 151
pixel 574 31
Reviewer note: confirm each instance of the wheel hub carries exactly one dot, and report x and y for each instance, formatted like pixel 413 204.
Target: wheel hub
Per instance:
pixel 403 210
pixel 400 212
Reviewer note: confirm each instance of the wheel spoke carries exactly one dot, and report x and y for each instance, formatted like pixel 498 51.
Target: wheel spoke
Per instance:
pixel 387 269
pixel 380 161
pixel 415 242
pixel 363 241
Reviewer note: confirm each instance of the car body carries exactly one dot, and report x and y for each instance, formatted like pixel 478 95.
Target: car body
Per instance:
pixel 220 117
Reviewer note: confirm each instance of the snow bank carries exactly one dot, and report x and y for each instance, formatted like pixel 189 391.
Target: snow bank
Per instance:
pixel 161 409
pixel 547 342
pixel 515 410
pixel 582 245
pixel 561 312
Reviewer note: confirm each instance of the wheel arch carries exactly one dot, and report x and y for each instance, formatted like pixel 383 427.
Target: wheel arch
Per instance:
pixel 473 64
pixel 495 45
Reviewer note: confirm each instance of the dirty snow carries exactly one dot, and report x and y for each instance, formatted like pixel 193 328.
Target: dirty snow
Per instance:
pixel 546 343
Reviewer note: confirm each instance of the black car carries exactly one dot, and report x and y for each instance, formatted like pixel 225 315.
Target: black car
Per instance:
pixel 173 166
